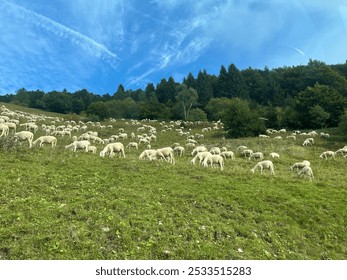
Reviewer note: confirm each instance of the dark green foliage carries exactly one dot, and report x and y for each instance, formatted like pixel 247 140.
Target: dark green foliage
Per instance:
pixel 240 121
pixel 343 125
pixel 99 110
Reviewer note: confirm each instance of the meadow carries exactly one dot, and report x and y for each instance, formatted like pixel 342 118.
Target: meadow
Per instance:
pixel 57 204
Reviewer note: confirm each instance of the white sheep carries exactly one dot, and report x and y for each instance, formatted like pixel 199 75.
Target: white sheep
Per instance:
pixel 24 136
pixel 247 153
pixel 81 144
pixel 274 155
pixel 306 143
pixel 266 164
pixel 227 154
pixel 200 156
pixel 132 145
pixel 179 150
pixel 257 156
pixel 46 139
pixel 4 129
pixel 113 148
pixel 211 160
pixel 166 154
pixel 306 172
pixel 215 151
pixel 147 154
pixel 198 149
pixel 327 154
pixel 342 151
pixel 92 149
pixel 300 165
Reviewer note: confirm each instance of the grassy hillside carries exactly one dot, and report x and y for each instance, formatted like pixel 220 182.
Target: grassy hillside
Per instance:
pixel 56 204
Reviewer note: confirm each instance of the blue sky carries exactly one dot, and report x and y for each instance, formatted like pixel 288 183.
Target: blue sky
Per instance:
pixel 99 44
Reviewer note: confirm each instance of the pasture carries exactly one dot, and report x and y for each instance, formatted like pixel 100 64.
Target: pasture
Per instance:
pixel 57 204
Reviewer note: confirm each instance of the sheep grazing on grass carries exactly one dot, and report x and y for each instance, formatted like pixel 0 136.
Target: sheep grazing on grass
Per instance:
pixel 300 165
pixel 166 154
pixel 198 149
pixel 342 151
pixel 113 148
pixel 179 150
pixel 200 156
pixel 240 148
pixel 24 136
pixel 147 154
pixel 306 172
pixel 327 154
pixel 274 155
pixel 46 139
pixel 266 164
pixel 215 151
pixel 82 144
pixel 228 154
pixel 256 156
pixel 212 160
pixel 4 129
pixel 92 149
pixel 247 153
pixel 133 145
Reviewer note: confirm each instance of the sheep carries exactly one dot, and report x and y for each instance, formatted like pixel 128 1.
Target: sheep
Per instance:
pixel 266 164
pixel 132 145
pixel 46 139
pixel 199 149
pixel 327 154
pixel 227 154
pixel 257 155
pixel 179 150
pixel 247 153
pixel 241 148
pixel 342 151
pixel 274 155
pixel 81 144
pixel 200 156
pixel 4 129
pixel 306 143
pixel 92 149
pixel 291 137
pixel 263 136
pixel 112 148
pixel 165 154
pixel 23 136
pixel 212 159
pixel 215 151
pixel 147 154
pixel 300 165
pixel 306 172
pixel 123 136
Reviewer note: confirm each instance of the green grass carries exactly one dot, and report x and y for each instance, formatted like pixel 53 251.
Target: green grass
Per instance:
pixel 56 204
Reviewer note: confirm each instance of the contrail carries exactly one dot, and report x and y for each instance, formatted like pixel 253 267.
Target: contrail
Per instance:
pixel 299 51
pixel 61 30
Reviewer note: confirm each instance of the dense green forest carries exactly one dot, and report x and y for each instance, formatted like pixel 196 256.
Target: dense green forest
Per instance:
pixel 306 96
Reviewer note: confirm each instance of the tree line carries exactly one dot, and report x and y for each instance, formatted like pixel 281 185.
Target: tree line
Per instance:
pixel 305 96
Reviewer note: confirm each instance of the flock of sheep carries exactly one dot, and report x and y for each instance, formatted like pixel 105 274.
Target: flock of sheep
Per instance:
pixel 143 134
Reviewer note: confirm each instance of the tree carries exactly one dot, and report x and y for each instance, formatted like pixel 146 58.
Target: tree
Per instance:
pixel 241 121
pixel 197 114
pixel 318 116
pixel 186 97
pixel 343 125
pixel 217 107
pixel 98 110
pixel 204 88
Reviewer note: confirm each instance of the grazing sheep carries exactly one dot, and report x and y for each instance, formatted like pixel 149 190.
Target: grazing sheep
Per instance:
pixel 198 149
pixel 147 154
pixel 263 136
pixel 247 153
pixel 166 154
pixel 327 154
pixel 274 155
pixel 46 139
pixel 211 160
pixel 179 150
pixel 300 165
pixel 241 148
pixel 257 155
pixel 133 145
pixel 215 151
pixel 81 144
pixel 342 151
pixel 92 149
pixel 306 143
pixel 306 172
pixel 113 148
pixel 24 136
pixel 200 156
pixel 228 154
pixel 266 164
pixel 4 129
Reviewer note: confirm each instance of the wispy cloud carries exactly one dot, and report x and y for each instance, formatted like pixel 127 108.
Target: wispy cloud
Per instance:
pixel 63 31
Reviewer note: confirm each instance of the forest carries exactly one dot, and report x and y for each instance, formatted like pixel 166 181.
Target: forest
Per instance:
pixel 312 96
